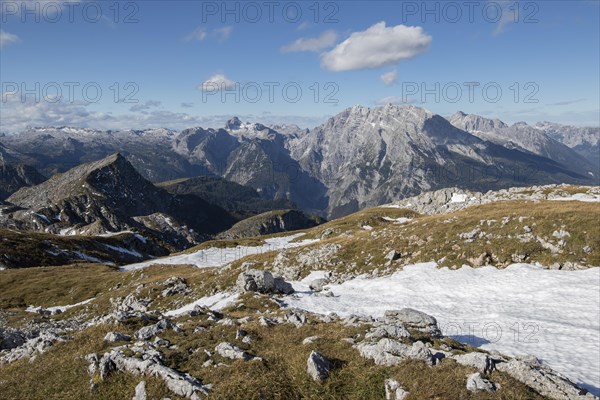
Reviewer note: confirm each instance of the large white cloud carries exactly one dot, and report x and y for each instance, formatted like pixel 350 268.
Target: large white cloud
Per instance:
pixel 327 39
pixel 377 46
pixel 215 83
pixel 7 38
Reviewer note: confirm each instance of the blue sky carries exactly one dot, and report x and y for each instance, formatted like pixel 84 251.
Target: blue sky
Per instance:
pixel 173 57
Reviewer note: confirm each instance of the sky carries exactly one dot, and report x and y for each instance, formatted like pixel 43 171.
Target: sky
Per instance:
pixel 179 64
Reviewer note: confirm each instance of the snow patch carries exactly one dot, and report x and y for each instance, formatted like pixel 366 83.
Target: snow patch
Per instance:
pixel 523 309
pixel 401 220
pixel 58 309
pixel 217 257
pixel 458 198
pixel 587 198
pixel 123 250
pixel 215 302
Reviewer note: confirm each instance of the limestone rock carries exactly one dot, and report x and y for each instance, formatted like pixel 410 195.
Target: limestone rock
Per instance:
pixel 317 366
pixel 116 337
pixel 413 319
pixel 393 390
pixel 140 391
pixel 232 352
pixel 476 383
pixel 481 361
pixel 543 380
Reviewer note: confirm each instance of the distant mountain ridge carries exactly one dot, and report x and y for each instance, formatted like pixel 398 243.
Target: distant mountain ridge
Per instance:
pixel 358 158
pixel 523 137
pixel 109 195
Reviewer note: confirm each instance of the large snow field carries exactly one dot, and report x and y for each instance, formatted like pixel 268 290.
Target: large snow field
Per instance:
pixel 523 309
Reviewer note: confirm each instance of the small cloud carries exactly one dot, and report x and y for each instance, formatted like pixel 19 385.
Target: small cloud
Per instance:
pixel 327 39
pixel 145 106
pixel 223 33
pixel 389 78
pixel 566 103
pixel 397 100
pixel 187 105
pixel 377 46
pixel 7 39
pixel 216 82
pixel 303 26
pixel 199 34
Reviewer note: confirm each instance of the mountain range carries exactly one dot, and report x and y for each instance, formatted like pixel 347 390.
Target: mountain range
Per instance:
pixel 359 158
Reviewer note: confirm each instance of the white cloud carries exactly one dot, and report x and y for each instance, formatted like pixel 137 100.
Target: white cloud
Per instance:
pixel 198 34
pixel 7 38
pixel 223 33
pixel 377 46
pixel 389 78
pixel 304 25
pixel 327 39
pixel 216 82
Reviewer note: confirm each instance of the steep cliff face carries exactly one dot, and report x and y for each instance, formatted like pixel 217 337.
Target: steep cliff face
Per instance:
pixel 14 177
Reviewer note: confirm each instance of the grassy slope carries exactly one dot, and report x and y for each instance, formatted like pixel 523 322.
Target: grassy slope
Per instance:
pixel 61 373
pixel 432 237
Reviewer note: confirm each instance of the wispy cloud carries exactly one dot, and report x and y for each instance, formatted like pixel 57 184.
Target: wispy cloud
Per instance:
pixel 223 33
pixel 7 39
pixel 389 78
pixel 200 34
pixel 566 102
pixel 187 105
pixel 145 106
pixel 375 47
pixel 327 39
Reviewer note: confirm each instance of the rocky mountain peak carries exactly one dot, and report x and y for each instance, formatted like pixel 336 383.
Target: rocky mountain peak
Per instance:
pixel 233 124
pixel 473 122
